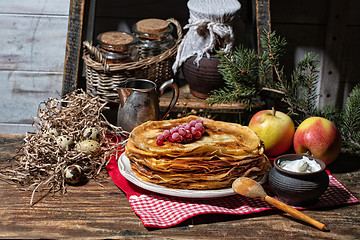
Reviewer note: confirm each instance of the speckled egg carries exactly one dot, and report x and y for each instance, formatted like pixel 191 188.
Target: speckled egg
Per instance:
pixel 90 147
pixel 52 132
pixel 91 133
pixel 65 142
pixel 73 174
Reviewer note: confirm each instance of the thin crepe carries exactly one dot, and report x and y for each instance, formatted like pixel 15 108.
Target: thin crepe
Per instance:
pixel 225 152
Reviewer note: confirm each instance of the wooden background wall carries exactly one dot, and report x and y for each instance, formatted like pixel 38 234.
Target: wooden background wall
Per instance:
pixel 32 52
pixel 34 37
pixel 329 28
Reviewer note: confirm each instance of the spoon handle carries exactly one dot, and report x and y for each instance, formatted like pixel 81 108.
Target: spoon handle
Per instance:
pixel 295 213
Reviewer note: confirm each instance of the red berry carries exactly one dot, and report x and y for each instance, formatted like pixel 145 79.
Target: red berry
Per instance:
pixel 186 126
pixel 199 120
pixel 159 142
pixel 192 123
pixel 197 135
pixel 173 130
pixel 198 126
pixel 166 133
pixel 188 134
pixel 175 135
pixel 182 131
pixel 160 137
pixel 193 130
pixel 180 138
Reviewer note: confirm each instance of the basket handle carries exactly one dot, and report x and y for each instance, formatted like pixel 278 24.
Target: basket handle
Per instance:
pixel 97 55
pixel 178 28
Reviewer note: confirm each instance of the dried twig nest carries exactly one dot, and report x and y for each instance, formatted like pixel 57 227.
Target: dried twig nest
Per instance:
pixel 70 131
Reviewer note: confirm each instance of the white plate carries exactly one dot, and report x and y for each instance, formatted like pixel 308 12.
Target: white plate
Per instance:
pixel 130 175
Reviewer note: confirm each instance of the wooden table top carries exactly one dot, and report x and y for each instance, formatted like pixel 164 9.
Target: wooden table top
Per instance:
pixel 102 211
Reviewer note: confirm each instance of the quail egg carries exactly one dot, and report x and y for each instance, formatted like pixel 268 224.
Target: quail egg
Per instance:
pixel 65 142
pixel 91 133
pixel 73 174
pixel 90 147
pixel 52 132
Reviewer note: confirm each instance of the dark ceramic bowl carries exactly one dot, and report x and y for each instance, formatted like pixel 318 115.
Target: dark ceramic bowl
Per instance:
pixel 298 188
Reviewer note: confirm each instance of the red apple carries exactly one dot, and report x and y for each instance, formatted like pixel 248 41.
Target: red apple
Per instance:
pixel 276 130
pixel 319 137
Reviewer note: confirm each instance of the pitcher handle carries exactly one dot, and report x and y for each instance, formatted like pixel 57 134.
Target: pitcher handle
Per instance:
pixel 170 83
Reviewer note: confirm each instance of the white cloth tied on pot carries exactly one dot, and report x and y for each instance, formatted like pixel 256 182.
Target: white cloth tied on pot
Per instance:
pixel 209 22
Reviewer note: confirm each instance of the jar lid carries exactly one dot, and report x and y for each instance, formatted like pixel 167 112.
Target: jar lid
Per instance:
pixel 115 41
pixel 152 25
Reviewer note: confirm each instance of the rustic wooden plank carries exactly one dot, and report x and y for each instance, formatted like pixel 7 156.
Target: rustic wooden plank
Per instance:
pixel 142 9
pixel 330 77
pixel 295 19
pixel 353 18
pixel 22 92
pixel 349 68
pixel 91 20
pixel 32 42
pixel 15 128
pixel 9 143
pixel 43 7
pixel 299 12
pixel 122 15
pixel 298 45
pixel 31 58
pixel 96 211
pixel 262 18
pixel 247 11
pixel 73 45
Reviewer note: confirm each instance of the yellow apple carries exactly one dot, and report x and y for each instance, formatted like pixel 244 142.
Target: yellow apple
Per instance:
pixel 319 137
pixel 276 130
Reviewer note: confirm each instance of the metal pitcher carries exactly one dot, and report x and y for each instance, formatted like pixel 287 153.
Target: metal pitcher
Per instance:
pixel 139 102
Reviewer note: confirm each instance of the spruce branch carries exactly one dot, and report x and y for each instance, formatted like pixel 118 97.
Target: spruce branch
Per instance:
pixel 350 127
pixel 272 49
pixel 232 63
pixel 244 70
pixel 272 90
pixel 248 75
pixel 239 69
pixel 301 92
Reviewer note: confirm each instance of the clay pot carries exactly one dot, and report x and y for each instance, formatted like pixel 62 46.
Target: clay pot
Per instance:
pixel 297 188
pixel 203 78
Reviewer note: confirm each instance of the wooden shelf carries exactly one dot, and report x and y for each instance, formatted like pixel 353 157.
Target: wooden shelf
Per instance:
pixel 81 27
pixel 187 102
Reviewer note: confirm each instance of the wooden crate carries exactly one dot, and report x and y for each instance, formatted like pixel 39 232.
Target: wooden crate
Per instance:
pixel 255 16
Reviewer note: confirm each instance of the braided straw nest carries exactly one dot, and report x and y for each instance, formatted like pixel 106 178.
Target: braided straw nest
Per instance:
pixel 40 163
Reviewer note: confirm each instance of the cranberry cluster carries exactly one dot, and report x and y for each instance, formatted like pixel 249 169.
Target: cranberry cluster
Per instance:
pixel 183 133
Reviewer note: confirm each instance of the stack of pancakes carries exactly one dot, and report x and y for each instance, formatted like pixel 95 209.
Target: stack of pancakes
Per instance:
pixel 225 152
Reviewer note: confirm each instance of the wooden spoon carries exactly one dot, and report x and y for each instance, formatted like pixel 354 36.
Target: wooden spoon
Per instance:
pixel 250 188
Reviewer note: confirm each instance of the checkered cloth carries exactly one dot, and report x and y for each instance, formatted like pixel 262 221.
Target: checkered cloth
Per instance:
pixel 160 211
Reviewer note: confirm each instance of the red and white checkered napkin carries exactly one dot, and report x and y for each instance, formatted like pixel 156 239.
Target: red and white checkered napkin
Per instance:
pixel 161 211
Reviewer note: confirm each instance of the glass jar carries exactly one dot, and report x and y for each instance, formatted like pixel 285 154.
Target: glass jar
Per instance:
pixel 117 47
pixel 154 37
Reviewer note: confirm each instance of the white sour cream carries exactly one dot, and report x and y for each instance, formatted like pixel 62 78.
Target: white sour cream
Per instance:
pixel 305 165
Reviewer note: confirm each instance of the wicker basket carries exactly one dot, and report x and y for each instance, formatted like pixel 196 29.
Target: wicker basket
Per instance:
pixel 103 78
